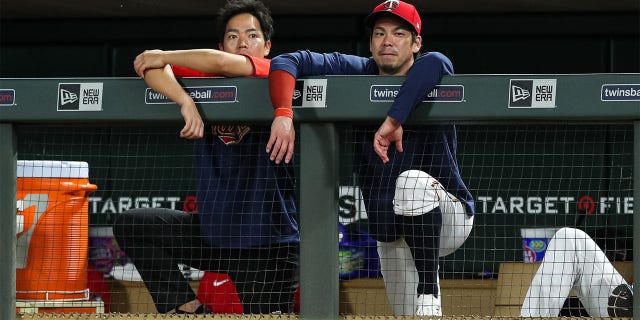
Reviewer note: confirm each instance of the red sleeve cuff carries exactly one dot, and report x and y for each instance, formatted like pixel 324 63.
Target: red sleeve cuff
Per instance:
pixel 260 66
pixel 281 86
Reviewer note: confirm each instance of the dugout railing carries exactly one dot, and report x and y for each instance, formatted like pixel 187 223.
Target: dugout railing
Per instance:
pixel 323 104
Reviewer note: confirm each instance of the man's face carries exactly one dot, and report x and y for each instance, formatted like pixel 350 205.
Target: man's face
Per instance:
pixel 243 35
pixel 392 46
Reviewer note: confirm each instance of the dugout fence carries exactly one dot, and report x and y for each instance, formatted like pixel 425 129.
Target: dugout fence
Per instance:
pixel 536 150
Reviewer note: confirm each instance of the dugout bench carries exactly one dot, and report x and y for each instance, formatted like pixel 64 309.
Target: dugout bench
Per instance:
pixel 366 296
pixel 363 297
pixel 501 297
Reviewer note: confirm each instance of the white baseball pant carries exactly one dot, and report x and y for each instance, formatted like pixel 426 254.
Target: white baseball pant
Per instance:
pixel 572 261
pixel 418 193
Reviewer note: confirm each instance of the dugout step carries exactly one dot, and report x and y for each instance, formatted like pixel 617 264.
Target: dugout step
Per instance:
pixel 460 297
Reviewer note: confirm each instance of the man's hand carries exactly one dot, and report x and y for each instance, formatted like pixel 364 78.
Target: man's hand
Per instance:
pixel 389 132
pixel 193 125
pixel 281 142
pixel 149 59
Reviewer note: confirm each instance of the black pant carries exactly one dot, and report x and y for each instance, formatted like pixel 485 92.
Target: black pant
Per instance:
pixel 158 239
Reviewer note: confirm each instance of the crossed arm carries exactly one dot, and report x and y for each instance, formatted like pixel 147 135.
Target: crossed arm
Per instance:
pixel 154 66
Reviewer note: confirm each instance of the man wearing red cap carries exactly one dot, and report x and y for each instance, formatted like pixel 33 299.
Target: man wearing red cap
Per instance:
pixel 418 205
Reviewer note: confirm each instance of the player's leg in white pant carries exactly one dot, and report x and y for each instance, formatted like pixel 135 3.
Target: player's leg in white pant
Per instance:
pixel 456 224
pixel 399 271
pixel 598 276
pixel 416 194
pixel 572 261
pixel 400 276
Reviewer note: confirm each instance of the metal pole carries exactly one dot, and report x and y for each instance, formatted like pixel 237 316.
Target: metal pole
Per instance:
pixel 8 189
pixel 636 215
pixel 319 283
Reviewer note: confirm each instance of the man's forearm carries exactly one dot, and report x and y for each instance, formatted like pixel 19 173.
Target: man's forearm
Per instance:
pixel 163 81
pixel 211 61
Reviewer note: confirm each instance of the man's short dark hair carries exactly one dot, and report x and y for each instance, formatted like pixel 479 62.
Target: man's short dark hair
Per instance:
pixel 254 7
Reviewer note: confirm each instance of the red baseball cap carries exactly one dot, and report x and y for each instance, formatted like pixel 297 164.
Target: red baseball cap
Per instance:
pixel 401 9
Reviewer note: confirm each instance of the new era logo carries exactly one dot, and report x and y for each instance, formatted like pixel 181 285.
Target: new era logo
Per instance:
pixel 310 93
pixel 67 96
pixel 518 93
pixel 297 94
pixel 532 93
pixel 80 96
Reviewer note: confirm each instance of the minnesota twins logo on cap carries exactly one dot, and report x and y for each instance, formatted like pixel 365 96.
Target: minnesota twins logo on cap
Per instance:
pixel 391 4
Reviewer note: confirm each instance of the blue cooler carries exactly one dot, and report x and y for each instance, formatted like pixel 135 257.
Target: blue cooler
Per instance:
pixel 358 254
pixel 535 242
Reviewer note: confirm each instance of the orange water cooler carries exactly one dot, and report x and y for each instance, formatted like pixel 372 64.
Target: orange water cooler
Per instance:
pixel 52 236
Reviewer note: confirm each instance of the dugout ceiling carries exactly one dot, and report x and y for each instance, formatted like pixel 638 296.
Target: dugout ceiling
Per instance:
pixel 25 9
pixel 75 38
